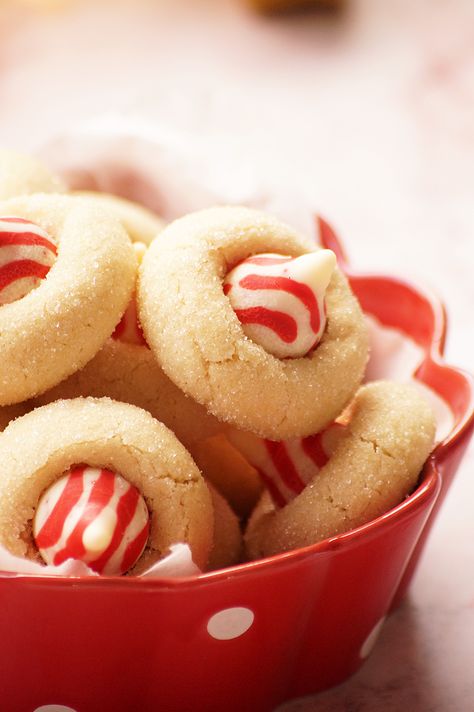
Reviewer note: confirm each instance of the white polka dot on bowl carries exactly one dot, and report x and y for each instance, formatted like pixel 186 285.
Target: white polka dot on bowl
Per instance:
pixel 54 708
pixel 230 623
pixel 371 639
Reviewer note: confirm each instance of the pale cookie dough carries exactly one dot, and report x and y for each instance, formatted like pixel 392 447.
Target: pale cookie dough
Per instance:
pixel 376 463
pixel 58 327
pixel 21 174
pixel 193 331
pixel 130 373
pixel 141 224
pixel 38 448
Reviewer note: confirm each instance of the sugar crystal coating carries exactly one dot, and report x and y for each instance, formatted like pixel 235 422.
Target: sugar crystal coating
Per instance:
pixel 57 328
pixel 105 434
pixel 196 336
pixel 375 464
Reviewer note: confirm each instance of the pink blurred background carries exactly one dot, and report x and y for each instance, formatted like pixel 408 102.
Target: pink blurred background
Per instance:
pixel 366 115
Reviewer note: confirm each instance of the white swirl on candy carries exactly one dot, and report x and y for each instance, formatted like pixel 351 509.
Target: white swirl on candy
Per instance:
pixel 94 516
pixel 27 253
pixel 286 467
pixel 279 300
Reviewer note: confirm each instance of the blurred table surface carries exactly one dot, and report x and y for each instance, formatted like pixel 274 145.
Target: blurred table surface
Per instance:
pixel 367 114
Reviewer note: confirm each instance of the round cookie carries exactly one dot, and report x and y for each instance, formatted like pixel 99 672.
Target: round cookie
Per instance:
pixel 21 174
pixel 105 434
pixel 126 370
pixel 142 227
pixel 141 224
pixel 130 373
pixel 58 327
pixel 196 336
pixel 375 464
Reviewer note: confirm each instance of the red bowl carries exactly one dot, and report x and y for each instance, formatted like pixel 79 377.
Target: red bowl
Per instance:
pixel 251 636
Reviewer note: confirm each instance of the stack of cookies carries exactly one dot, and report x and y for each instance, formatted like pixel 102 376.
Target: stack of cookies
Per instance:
pixel 198 382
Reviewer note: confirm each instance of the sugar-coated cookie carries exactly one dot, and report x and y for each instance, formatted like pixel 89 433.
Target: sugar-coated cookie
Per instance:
pixel 21 174
pixel 375 464
pixel 60 325
pixel 126 370
pixel 191 327
pixel 38 448
pixel 130 373
pixel 141 224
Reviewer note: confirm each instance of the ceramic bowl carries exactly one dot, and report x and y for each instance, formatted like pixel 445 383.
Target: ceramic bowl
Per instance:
pixel 251 636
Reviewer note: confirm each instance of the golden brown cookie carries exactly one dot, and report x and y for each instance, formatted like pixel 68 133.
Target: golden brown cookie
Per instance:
pixel 59 326
pixel 375 464
pixel 196 336
pixel 39 447
pixel 21 175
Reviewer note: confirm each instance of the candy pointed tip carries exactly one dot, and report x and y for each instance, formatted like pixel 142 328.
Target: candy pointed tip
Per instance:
pixel 314 268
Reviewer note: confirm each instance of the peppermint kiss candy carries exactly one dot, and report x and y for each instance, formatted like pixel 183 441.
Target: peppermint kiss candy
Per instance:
pixel 27 253
pixel 286 467
pixel 94 516
pixel 279 300
pixel 129 329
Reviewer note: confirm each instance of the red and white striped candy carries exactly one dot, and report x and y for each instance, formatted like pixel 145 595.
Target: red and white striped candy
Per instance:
pixel 279 300
pixel 94 516
pixel 129 329
pixel 27 253
pixel 286 467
